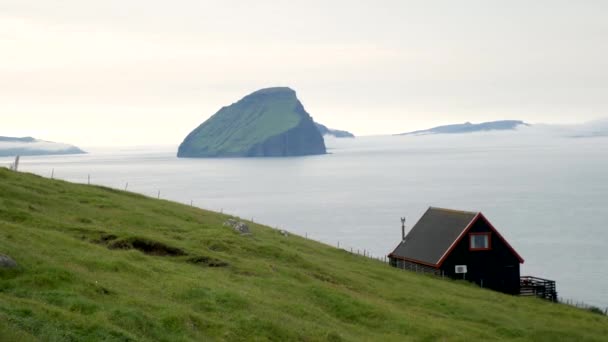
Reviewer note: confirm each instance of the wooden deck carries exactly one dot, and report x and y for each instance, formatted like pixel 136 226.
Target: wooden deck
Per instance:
pixel 539 287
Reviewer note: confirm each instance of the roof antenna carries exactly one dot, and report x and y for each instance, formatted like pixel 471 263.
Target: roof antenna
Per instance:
pixel 403 229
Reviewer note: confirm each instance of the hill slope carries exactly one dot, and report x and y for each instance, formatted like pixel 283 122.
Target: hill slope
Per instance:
pixel 102 264
pixel 267 123
pixel 29 146
pixel 468 127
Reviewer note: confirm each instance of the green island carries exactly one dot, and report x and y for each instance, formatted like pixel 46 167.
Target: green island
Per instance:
pixel 96 263
pixel 270 122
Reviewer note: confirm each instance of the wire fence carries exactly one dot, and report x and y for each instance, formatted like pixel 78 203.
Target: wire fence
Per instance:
pixel 366 253
pixel 583 305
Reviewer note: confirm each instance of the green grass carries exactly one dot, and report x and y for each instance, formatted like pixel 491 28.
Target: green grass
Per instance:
pixel 81 279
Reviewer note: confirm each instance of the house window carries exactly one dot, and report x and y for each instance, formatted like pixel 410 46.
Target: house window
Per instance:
pixel 479 241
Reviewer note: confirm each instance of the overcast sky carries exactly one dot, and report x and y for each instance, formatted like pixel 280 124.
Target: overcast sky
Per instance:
pixel 139 72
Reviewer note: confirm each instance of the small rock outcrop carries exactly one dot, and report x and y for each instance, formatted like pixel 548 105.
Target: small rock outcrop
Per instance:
pixel 238 226
pixel 324 130
pixel 7 262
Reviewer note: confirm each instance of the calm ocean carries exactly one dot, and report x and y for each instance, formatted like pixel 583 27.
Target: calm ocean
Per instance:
pixel 546 194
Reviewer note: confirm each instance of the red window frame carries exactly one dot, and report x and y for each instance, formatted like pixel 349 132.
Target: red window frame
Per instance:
pixel 488 234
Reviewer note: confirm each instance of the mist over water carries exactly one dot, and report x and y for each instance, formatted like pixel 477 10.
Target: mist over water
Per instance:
pixel 546 192
pixel 35 145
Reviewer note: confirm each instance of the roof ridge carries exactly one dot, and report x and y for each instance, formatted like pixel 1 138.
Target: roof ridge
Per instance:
pixel 455 210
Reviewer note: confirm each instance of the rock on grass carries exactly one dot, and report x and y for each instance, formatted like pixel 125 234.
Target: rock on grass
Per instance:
pixel 7 262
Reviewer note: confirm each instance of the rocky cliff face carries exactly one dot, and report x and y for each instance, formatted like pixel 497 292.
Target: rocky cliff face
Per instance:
pixel 298 141
pixel 267 123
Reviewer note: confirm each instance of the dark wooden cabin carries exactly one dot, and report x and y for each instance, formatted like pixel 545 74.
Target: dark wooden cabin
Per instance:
pixel 444 240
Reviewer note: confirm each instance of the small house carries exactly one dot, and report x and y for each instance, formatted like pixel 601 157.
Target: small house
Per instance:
pixel 460 245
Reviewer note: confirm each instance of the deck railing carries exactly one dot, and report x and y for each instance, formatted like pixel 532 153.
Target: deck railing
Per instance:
pixel 539 287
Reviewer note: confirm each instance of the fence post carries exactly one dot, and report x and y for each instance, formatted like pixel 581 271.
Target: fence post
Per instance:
pixel 158 195
pixel 52 173
pixel 89 179
pixel 126 186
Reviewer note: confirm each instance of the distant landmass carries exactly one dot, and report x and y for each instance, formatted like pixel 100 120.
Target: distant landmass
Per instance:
pixel 28 146
pixel 591 135
pixel 593 129
pixel 270 122
pixel 333 132
pixel 468 127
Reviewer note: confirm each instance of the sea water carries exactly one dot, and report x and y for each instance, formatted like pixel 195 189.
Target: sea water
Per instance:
pixel 546 194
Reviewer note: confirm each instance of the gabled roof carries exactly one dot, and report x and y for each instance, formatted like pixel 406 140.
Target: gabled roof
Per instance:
pixel 437 232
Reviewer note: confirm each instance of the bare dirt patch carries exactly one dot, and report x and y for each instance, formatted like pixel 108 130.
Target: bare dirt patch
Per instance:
pixel 146 246
pixel 143 245
pixel 207 261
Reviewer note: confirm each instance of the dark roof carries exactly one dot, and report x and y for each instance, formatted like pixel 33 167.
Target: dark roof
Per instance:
pixel 433 234
pixel 437 231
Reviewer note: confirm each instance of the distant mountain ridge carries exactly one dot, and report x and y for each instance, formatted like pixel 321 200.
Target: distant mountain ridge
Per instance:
pixel 333 132
pixel 28 146
pixel 14 139
pixel 467 127
pixel 270 122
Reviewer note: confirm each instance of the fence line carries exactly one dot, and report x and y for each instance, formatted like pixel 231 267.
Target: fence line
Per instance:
pixel 360 252
pixel 582 305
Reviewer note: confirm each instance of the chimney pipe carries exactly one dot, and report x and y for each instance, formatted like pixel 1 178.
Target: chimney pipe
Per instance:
pixel 403 229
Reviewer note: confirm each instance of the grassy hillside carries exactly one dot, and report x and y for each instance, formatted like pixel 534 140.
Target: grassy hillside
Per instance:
pixel 236 128
pixel 102 264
